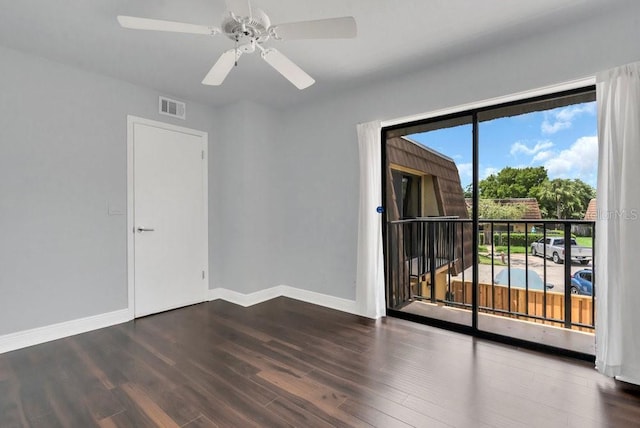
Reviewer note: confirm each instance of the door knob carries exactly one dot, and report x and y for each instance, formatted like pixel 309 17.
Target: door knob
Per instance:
pixel 144 229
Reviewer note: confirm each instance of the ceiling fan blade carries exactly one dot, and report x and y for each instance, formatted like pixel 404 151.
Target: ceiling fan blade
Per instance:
pixel 332 28
pixel 240 8
pixel 136 23
pixel 221 68
pixel 287 68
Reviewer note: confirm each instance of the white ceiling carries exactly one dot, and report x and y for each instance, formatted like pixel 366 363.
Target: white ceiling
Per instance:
pixel 393 36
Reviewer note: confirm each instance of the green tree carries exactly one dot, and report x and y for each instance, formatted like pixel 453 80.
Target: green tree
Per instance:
pixel 490 209
pixel 468 191
pixel 513 183
pixel 564 198
pixel 585 193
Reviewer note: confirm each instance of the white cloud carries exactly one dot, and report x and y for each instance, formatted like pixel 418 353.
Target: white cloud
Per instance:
pixel 488 171
pixel 549 128
pixel 578 161
pixel 559 119
pixel 543 156
pixel 465 170
pixel 519 147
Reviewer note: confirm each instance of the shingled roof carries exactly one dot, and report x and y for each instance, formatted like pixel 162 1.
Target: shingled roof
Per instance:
pixel 592 212
pixel 405 152
pixel 532 209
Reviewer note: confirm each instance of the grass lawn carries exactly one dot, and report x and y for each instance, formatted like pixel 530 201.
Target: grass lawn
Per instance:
pixel 486 260
pixel 585 241
pixel 514 249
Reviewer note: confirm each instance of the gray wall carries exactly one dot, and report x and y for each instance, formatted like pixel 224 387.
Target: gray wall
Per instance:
pixel 283 184
pixel 318 178
pixel 245 225
pixel 63 139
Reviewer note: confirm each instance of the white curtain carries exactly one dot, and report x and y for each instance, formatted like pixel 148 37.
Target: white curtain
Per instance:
pixel 370 272
pixel 618 224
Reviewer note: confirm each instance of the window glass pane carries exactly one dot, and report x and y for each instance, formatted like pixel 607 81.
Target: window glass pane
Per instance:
pixel 537 175
pixel 429 230
pixel 537 169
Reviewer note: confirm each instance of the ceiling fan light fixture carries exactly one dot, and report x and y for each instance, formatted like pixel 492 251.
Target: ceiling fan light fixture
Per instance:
pixel 249 29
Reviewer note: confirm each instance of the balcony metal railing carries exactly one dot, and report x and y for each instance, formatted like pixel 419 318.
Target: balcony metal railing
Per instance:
pixel 429 259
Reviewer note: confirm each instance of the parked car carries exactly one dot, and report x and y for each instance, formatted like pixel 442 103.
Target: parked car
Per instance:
pixel 555 250
pixel 582 282
pixel 518 279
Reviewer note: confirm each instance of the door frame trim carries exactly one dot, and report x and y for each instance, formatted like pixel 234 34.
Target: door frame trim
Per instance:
pixel 131 122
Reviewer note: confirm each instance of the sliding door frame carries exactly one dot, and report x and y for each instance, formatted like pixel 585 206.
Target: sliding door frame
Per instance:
pixel 474 113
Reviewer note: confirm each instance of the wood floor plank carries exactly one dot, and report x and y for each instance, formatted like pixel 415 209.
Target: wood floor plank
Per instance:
pixel 214 409
pixel 390 405
pixel 380 419
pixel 108 422
pixel 322 396
pixel 455 416
pixel 146 344
pixel 265 360
pixel 173 402
pixel 368 374
pixel 149 407
pixel 97 398
pixel 286 363
pixel 11 411
pixel 90 364
pixel 201 422
pixel 312 397
pixel 28 397
pixel 5 370
pixel 67 408
pixel 132 416
pixel 45 421
pixel 235 384
pixel 296 415
pixel 369 390
pixel 249 399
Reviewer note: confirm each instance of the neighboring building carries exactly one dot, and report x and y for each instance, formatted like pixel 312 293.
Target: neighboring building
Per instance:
pixel 592 212
pixel 424 183
pixel 532 212
pixel 590 215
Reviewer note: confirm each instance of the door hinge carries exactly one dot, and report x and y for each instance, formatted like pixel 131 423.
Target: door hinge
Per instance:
pixel 203 155
pixel 202 274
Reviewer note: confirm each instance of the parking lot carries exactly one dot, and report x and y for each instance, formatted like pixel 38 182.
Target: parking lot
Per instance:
pixel 555 272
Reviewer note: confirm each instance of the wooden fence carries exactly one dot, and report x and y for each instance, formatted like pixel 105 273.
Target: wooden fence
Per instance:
pixel 497 297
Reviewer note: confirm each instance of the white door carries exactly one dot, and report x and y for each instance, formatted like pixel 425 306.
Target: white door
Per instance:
pixel 169 216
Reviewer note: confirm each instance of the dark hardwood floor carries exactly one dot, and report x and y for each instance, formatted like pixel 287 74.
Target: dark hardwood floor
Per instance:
pixel 287 363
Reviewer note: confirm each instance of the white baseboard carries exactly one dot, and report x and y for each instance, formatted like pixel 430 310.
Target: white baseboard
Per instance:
pixel 337 303
pixel 23 339
pixel 35 336
pixel 245 299
pixel 332 302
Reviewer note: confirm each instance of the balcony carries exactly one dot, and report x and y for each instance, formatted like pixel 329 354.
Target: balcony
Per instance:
pixel 524 289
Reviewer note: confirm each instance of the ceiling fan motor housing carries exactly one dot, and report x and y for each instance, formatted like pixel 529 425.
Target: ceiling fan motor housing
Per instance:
pixel 247 31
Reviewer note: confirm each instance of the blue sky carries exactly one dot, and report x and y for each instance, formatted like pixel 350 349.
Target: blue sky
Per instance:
pixel 563 140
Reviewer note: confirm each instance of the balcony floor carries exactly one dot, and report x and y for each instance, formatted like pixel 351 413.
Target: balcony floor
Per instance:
pixel 287 363
pixel 558 337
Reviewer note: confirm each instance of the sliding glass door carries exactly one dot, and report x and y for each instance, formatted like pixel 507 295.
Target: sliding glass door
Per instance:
pixel 428 222
pixel 487 219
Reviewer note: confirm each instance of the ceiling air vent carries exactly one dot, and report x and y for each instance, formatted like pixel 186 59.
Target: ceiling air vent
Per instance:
pixel 173 108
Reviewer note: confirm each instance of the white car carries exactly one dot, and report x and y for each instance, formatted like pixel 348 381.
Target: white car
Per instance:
pixel 555 250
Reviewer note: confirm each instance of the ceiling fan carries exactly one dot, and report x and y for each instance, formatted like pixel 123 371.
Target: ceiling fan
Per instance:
pixel 249 28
